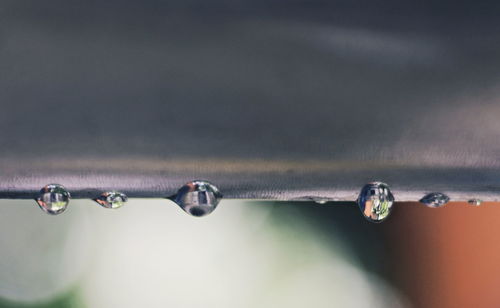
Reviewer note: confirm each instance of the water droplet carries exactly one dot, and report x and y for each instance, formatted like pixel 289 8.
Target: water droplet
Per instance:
pixel 375 201
pixel 53 199
pixel 320 201
pixel 435 199
pixel 198 198
pixel 317 200
pixel 112 199
pixel 475 202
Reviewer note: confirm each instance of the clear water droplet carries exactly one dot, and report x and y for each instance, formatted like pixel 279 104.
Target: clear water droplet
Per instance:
pixel 320 201
pixel 475 202
pixel 112 199
pixel 53 199
pixel 317 200
pixel 435 199
pixel 375 201
pixel 198 198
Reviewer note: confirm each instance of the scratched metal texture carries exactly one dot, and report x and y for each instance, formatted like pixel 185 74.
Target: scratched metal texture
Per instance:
pixel 266 99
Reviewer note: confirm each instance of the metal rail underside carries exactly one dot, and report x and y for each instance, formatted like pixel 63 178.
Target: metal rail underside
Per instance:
pixel 290 101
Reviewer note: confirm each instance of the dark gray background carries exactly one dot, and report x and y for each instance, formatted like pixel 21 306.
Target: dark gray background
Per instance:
pixel 266 99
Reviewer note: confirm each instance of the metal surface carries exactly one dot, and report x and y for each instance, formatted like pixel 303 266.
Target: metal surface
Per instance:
pixel 267 100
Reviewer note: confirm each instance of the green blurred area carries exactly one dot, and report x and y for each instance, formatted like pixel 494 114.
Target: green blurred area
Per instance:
pixel 268 251
pixel 71 299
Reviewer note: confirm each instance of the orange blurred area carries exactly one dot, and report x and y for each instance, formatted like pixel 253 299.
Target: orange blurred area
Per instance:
pixel 449 256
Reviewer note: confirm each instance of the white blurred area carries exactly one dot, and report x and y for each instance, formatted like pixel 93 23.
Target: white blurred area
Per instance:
pixel 151 254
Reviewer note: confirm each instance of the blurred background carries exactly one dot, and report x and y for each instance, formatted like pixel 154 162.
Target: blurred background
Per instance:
pixel 107 91
pixel 248 254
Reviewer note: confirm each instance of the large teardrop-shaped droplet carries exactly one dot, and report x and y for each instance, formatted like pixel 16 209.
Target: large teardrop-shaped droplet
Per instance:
pixel 53 199
pixel 198 198
pixel 375 201
pixel 112 199
pixel 435 199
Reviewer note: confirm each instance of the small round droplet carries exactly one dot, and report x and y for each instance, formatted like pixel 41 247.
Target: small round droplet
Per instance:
pixel 198 198
pixel 112 199
pixel 53 199
pixel 375 201
pixel 435 199
pixel 475 202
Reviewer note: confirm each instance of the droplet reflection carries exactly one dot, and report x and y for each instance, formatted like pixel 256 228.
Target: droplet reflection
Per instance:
pixel 198 198
pixel 320 201
pixel 375 201
pixel 475 202
pixel 53 199
pixel 112 199
pixel 435 200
